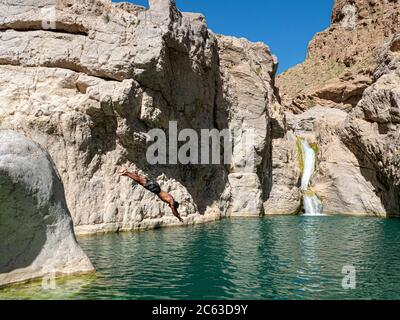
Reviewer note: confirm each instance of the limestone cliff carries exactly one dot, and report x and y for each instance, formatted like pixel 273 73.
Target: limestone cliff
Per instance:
pixel 88 79
pixel 36 231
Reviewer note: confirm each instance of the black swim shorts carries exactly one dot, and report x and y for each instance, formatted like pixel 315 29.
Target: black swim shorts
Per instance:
pixel 153 186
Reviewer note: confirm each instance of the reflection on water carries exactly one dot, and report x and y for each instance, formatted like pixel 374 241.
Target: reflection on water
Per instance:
pixel 273 258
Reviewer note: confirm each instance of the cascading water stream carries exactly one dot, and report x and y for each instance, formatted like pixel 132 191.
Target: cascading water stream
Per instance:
pixel 312 204
pixel 309 156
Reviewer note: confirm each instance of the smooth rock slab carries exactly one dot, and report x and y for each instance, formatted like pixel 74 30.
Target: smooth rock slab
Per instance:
pixel 36 231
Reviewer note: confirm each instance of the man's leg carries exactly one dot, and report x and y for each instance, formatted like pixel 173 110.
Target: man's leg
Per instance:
pixel 141 180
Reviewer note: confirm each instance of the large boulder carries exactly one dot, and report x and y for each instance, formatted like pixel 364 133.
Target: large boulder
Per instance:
pixel 36 230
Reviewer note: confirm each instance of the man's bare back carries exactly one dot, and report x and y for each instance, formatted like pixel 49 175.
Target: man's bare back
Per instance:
pixel 154 187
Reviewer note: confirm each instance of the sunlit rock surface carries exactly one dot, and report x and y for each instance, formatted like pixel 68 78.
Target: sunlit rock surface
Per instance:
pixel 372 130
pixel 344 99
pixel 341 59
pixel 89 90
pixel 343 183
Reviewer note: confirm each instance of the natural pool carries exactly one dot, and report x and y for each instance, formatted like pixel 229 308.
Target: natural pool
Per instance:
pixel 266 258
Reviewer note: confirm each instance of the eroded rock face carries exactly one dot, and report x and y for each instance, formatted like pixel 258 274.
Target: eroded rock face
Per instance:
pixel 285 195
pixel 373 129
pixel 344 185
pixel 341 60
pixel 90 92
pixel 247 72
pixel 37 236
pixel 344 99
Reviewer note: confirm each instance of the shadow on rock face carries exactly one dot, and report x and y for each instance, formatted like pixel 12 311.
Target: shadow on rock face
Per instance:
pixel 384 187
pixel 204 183
pixel 22 226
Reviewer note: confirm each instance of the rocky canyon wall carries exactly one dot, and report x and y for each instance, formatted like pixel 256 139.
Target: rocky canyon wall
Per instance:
pixel 88 79
pixel 344 99
pixel 372 129
pixel 341 60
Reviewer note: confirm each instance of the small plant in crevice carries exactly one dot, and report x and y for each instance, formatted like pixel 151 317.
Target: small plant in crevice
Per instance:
pixel 258 68
pixel 315 147
pixel 300 153
pixel 106 18
pixel 310 103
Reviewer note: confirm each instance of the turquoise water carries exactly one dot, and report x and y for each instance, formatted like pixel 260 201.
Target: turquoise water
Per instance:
pixel 271 258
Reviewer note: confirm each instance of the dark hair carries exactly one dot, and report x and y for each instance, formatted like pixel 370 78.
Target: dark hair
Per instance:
pixel 176 204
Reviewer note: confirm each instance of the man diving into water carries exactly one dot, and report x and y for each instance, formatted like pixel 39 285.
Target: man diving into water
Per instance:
pixel 154 187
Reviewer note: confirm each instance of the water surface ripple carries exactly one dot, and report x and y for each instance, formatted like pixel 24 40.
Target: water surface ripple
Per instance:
pixel 271 258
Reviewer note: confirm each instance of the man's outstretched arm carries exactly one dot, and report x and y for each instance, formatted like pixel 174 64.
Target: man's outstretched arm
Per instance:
pixel 175 211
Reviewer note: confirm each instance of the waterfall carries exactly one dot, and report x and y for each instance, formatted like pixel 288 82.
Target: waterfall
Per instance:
pixel 309 156
pixel 312 204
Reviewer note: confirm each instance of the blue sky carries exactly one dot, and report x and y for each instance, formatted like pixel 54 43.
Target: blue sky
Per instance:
pixel 286 25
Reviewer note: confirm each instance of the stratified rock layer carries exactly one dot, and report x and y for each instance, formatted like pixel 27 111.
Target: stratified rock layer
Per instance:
pixel 36 231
